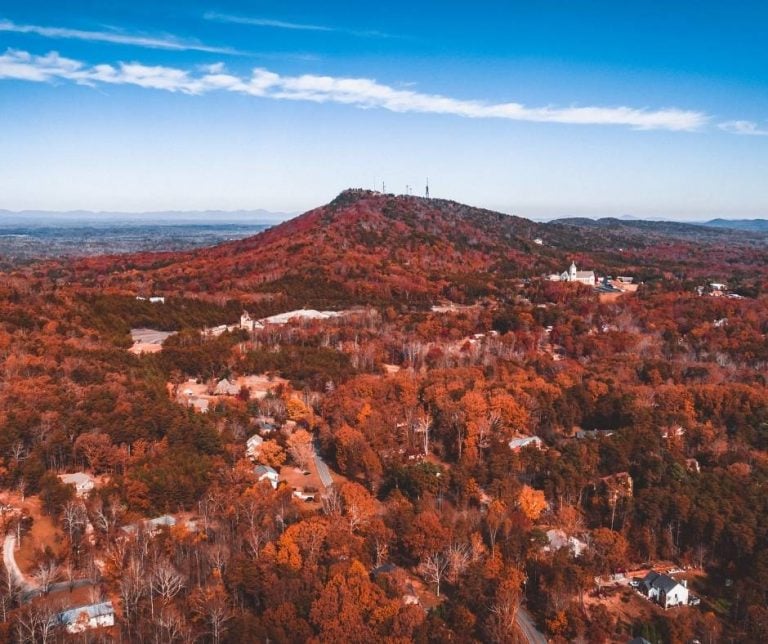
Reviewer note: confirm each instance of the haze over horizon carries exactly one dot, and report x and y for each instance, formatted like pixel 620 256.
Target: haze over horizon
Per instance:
pixel 596 110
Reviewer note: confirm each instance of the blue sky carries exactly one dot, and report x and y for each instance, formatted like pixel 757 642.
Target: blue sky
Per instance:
pixel 540 108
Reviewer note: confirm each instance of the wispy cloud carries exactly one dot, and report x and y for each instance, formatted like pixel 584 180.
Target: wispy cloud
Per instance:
pixel 358 92
pixel 115 37
pixel 746 128
pixel 295 26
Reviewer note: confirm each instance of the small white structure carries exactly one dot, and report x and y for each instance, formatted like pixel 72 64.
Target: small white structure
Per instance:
pixel 664 590
pixel 83 618
pixel 516 444
pixel 718 286
pixel 538 241
pixel 672 432
pixel 253 446
pixel 268 473
pixel 247 323
pixel 82 482
pixel 226 387
pixel 152 526
pixel 558 539
pixel 198 403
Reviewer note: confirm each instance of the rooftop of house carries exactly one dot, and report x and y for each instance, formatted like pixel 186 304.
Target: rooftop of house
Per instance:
pixel 264 470
pixel 522 441
pixel 91 610
pixel 659 581
pixel 76 478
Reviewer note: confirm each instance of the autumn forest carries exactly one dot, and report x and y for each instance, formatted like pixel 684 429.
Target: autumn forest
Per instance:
pixel 441 443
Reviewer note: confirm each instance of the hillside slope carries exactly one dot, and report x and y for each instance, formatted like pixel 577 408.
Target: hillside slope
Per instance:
pixel 366 247
pixel 363 247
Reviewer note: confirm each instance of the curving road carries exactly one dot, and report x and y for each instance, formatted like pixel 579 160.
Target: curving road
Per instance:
pixel 27 586
pixel 528 627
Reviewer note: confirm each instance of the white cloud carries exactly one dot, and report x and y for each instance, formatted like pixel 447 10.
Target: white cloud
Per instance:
pixel 115 37
pixel 293 26
pixel 747 128
pixel 263 22
pixel 359 92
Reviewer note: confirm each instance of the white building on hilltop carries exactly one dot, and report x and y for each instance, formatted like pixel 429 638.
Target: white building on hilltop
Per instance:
pixel 574 275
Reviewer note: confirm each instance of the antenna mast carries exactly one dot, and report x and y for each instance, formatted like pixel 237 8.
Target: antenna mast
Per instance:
pixel 426 192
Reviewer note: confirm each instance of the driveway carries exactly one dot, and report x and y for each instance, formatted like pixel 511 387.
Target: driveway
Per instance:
pixel 528 627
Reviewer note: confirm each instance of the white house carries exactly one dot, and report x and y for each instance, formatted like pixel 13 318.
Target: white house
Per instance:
pixel 82 618
pixel 82 482
pixel 226 387
pixel 152 526
pixel 268 473
pixel 516 444
pixel 253 446
pixel 664 590
pixel 559 539
pixel 574 275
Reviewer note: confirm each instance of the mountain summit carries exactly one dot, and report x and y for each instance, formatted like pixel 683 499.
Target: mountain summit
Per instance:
pixel 363 247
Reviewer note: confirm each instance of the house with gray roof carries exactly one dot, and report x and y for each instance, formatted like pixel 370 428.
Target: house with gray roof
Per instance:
pixel 664 590
pixel 266 472
pixel 82 618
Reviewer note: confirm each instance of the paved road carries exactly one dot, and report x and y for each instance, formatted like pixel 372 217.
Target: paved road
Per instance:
pixel 9 559
pixel 528 627
pixel 322 468
pixel 29 587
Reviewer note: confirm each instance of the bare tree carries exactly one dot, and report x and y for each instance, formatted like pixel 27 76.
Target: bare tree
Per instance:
pixel 164 581
pixel 171 627
pixel 74 518
pixel 502 619
pixel 36 623
pixel 218 555
pixel 45 575
pixel 433 568
pixel 331 501
pixel 212 605
pixel 458 555
pixel 132 589
pixel 424 426
pixel 10 592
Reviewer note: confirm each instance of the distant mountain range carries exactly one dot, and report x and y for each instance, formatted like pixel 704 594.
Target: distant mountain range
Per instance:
pixel 757 225
pixel 109 218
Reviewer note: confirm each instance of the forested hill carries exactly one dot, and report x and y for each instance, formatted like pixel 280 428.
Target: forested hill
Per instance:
pixel 362 247
pixel 366 247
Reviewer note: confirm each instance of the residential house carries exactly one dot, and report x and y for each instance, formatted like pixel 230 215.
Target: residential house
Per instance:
pixel 559 539
pixel 226 387
pixel 198 403
pixel 266 472
pixel 581 434
pixel 664 590
pixel 82 482
pixel 152 526
pixel 253 446
pixel 516 444
pixel 82 618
